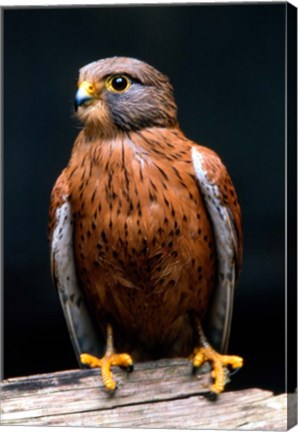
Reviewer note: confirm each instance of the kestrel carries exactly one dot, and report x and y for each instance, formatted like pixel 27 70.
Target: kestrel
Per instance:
pixel 144 229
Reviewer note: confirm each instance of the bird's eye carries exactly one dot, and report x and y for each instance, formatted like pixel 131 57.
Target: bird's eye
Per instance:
pixel 118 83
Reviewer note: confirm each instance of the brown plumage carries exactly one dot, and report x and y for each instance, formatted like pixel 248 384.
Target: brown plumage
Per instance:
pixel 145 226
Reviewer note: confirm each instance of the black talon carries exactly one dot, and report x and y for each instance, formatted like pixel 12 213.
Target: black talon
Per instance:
pixel 212 396
pixel 194 370
pixel 234 371
pixel 111 393
pixel 129 368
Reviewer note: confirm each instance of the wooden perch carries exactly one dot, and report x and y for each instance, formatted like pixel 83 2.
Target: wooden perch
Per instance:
pixel 161 394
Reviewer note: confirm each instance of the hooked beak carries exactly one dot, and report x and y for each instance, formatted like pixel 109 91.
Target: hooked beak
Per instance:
pixel 85 94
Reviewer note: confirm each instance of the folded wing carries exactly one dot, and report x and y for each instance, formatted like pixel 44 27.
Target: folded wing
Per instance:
pixel 63 267
pixel 222 205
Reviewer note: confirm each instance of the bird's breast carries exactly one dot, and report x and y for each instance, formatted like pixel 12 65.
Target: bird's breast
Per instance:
pixel 144 244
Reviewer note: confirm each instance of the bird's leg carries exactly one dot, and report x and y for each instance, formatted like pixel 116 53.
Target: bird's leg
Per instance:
pixel 108 360
pixel 219 362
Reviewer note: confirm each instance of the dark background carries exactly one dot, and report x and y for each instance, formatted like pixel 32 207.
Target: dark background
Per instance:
pixel 227 65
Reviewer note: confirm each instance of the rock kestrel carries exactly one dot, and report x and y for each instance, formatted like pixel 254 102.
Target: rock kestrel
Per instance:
pixel 144 229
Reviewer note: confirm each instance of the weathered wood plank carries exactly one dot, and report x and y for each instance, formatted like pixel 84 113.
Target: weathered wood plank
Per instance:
pixel 161 394
pixel 191 413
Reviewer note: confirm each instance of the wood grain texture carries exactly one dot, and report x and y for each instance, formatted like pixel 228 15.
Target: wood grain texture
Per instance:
pixel 161 394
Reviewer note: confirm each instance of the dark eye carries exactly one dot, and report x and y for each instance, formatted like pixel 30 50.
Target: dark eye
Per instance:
pixel 119 83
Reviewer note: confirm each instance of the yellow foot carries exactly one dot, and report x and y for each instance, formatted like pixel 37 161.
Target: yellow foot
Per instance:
pixel 218 362
pixel 105 364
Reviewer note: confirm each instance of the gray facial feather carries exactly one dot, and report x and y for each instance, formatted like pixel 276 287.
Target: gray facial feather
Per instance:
pixel 141 106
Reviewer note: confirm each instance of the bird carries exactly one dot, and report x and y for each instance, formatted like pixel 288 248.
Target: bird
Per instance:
pixel 145 230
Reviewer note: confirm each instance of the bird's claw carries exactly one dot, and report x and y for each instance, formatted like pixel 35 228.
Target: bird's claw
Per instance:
pixel 105 363
pixel 219 364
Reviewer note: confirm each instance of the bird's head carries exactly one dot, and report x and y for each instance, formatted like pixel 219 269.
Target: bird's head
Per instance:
pixel 121 93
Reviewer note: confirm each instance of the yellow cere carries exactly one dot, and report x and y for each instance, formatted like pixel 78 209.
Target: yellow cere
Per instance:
pixel 88 87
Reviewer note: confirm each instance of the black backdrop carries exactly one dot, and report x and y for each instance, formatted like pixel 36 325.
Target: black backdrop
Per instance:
pixel 227 65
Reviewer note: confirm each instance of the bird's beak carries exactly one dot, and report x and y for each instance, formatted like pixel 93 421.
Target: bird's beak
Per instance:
pixel 85 94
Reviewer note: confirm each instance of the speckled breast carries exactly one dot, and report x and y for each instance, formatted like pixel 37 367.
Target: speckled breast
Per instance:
pixel 144 244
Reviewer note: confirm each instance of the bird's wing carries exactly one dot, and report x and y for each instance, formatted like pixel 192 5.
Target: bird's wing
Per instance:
pixel 63 268
pixel 222 205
